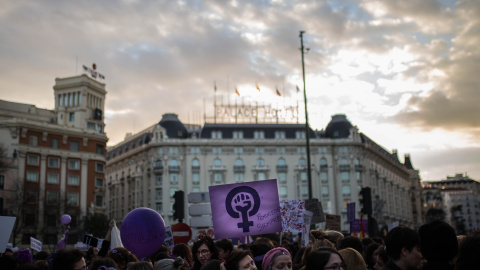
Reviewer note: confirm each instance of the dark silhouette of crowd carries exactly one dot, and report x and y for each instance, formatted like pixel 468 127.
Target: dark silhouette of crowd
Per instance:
pixel 434 245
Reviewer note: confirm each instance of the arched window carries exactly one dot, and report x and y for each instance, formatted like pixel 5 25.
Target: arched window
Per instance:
pixel 281 162
pixel 357 162
pixel 302 162
pixel 323 162
pixel 260 162
pixel 217 162
pixel 173 162
pixel 343 161
pixel 238 162
pixel 195 162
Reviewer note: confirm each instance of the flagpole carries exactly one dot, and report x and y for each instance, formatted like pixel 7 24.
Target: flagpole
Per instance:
pixel 215 102
pixel 307 129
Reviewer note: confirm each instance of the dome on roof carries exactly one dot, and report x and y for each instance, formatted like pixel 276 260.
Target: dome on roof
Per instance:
pixel 339 127
pixel 173 126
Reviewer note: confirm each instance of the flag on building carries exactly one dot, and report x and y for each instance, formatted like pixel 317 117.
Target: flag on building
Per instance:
pixel 258 88
pixel 236 91
pixel 298 89
pixel 278 93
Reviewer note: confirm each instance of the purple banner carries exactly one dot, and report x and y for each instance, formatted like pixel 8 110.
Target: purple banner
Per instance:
pixel 350 212
pixel 243 209
pixel 355 226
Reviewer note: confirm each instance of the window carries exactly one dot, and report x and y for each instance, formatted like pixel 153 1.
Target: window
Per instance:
pixel 158 179
pixel 216 134
pixel 173 164
pixel 279 134
pixel 72 199
pixel 303 176
pixel 238 150
pixel 32 176
pixel 217 150
pixel 31 196
pixel 217 162
pixel 173 178
pixel 99 149
pixel 158 194
pixel 258 135
pixel 325 190
pixel 324 177
pixel 280 150
pixel 52 178
pixel 74 164
pixel 159 207
pixel 322 149
pixel 218 177
pixel 345 175
pixel 301 150
pixel 282 191
pixel 53 143
pixel 343 149
pixel 260 162
pixel 2 181
pixel 99 182
pixel 99 167
pixel 300 135
pixel 72 117
pixel 323 163
pixel 195 178
pixel 239 177
pixel 195 150
pixel 172 191
pixel 259 150
pixel 173 150
pixel 99 128
pixel 52 197
pixel 74 146
pixel 90 125
pixel 346 190
pixel 282 177
pixel 73 180
pixel 30 221
pixel 33 140
pixel 238 134
pixel 53 162
pixel 302 162
pixel 32 160
pixel 358 175
pixel 261 176
pixel 99 201
pixel 195 189
pixel 304 190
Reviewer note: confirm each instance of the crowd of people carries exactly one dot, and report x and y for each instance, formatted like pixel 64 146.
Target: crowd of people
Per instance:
pixel 434 246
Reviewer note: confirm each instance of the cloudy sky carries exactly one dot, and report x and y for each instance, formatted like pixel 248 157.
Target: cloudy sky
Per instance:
pixel 405 72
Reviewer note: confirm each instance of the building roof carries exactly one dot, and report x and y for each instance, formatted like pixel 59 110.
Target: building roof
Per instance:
pixel 339 127
pixel 249 129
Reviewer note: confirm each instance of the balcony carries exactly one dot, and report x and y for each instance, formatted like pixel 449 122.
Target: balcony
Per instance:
pixel 218 168
pixel 158 169
pixel 238 168
pixel 324 167
pixel 359 167
pixel 282 167
pixel 195 168
pixel 344 167
pixel 173 168
pixel 260 168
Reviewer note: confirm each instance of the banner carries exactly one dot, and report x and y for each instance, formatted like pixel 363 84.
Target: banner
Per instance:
pixel 351 212
pixel 35 244
pixel 243 209
pixel 355 226
pixel 292 215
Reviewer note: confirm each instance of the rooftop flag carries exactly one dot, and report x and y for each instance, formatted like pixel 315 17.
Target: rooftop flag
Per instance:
pixel 243 209
pixel 236 91
pixel 258 88
pixel 278 93
pixel 298 89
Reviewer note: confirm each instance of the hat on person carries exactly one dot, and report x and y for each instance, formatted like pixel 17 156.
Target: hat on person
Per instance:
pixel 271 255
pixel 438 241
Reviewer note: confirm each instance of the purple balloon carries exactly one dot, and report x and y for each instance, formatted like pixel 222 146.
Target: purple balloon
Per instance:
pixel 66 219
pixel 142 232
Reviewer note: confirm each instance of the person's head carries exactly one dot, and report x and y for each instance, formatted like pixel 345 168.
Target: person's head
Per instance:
pixel 224 246
pixel 69 259
pixel 240 260
pixel 351 242
pixel 403 248
pixel 334 236
pixel 277 259
pixel 353 259
pixel 263 240
pixel 370 256
pixel 438 241
pixel 468 255
pixel 41 255
pixel 381 258
pixel 170 264
pixel 324 258
pixel 183 251
pixel 8 252
pixel 8 262
pixel 213 265
pixel 102 263
pixel 321 240
pixel 203 250
pixel 144 265
pixel 258 251
pixel 122 257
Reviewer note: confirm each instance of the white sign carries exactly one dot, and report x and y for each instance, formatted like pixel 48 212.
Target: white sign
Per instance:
pixel 200 209
pixel 5 231
pixel 307 219
pixel 35 244
pixel 168 237
pixel 201 221
pixel 198 197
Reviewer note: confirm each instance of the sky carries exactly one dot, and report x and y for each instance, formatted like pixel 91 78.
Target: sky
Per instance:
pixel 404 72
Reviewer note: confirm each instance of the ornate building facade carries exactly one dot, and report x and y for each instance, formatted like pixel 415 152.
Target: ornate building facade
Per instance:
pixel 147 168
pixel 55 161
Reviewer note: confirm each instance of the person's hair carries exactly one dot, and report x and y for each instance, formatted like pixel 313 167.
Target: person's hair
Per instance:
pixel 211 246
pixel 353 259
pixel 232 260
pixel 382 254
pixel 398 238
pixel 317 259
pixel 169 264
pixel 307 252
pixel 225 244
pixel 41 255
pixel 369 252
pixel 334 236
pixel 264 240
pixel 121 255
pixel 41 264
pixel 8 262
pixel 212 265
pixel 468 253
pixel 321 240
pixel 438 241
pixel 101 261
pixel 65 259
pixel 183 251
pixel 139 266
pixel 351 242
pixel 258 251
pixel 366 241
pixel 297 259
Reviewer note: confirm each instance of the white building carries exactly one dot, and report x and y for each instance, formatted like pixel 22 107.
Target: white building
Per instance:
pixel 146 169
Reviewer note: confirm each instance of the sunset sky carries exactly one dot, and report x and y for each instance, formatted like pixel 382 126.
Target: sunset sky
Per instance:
pixel 406 73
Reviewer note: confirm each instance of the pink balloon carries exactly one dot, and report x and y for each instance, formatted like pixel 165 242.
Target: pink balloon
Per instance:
pixel 66 219
pixel 142 232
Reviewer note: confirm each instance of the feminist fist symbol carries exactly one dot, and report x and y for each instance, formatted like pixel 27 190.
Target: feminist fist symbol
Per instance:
pixel 243 200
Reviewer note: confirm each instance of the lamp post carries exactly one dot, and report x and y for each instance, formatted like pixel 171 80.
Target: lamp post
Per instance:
pixel 307 129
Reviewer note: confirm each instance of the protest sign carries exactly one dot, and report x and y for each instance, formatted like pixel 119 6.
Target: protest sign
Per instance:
pixel 243 209
pixel 5 231
pixel 168 237
pixel 332 222
pixel 313 205
pixel 35 244
pixel 292 215
pixel 355 226
pixel 351 212
pixel 307 219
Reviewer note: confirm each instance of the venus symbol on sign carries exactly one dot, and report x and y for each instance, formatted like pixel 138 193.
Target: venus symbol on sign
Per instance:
pixel 243 201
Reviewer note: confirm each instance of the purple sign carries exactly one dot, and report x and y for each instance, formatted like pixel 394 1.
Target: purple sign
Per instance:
pixel 350 212
pixel 244 209
pixel 355 226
